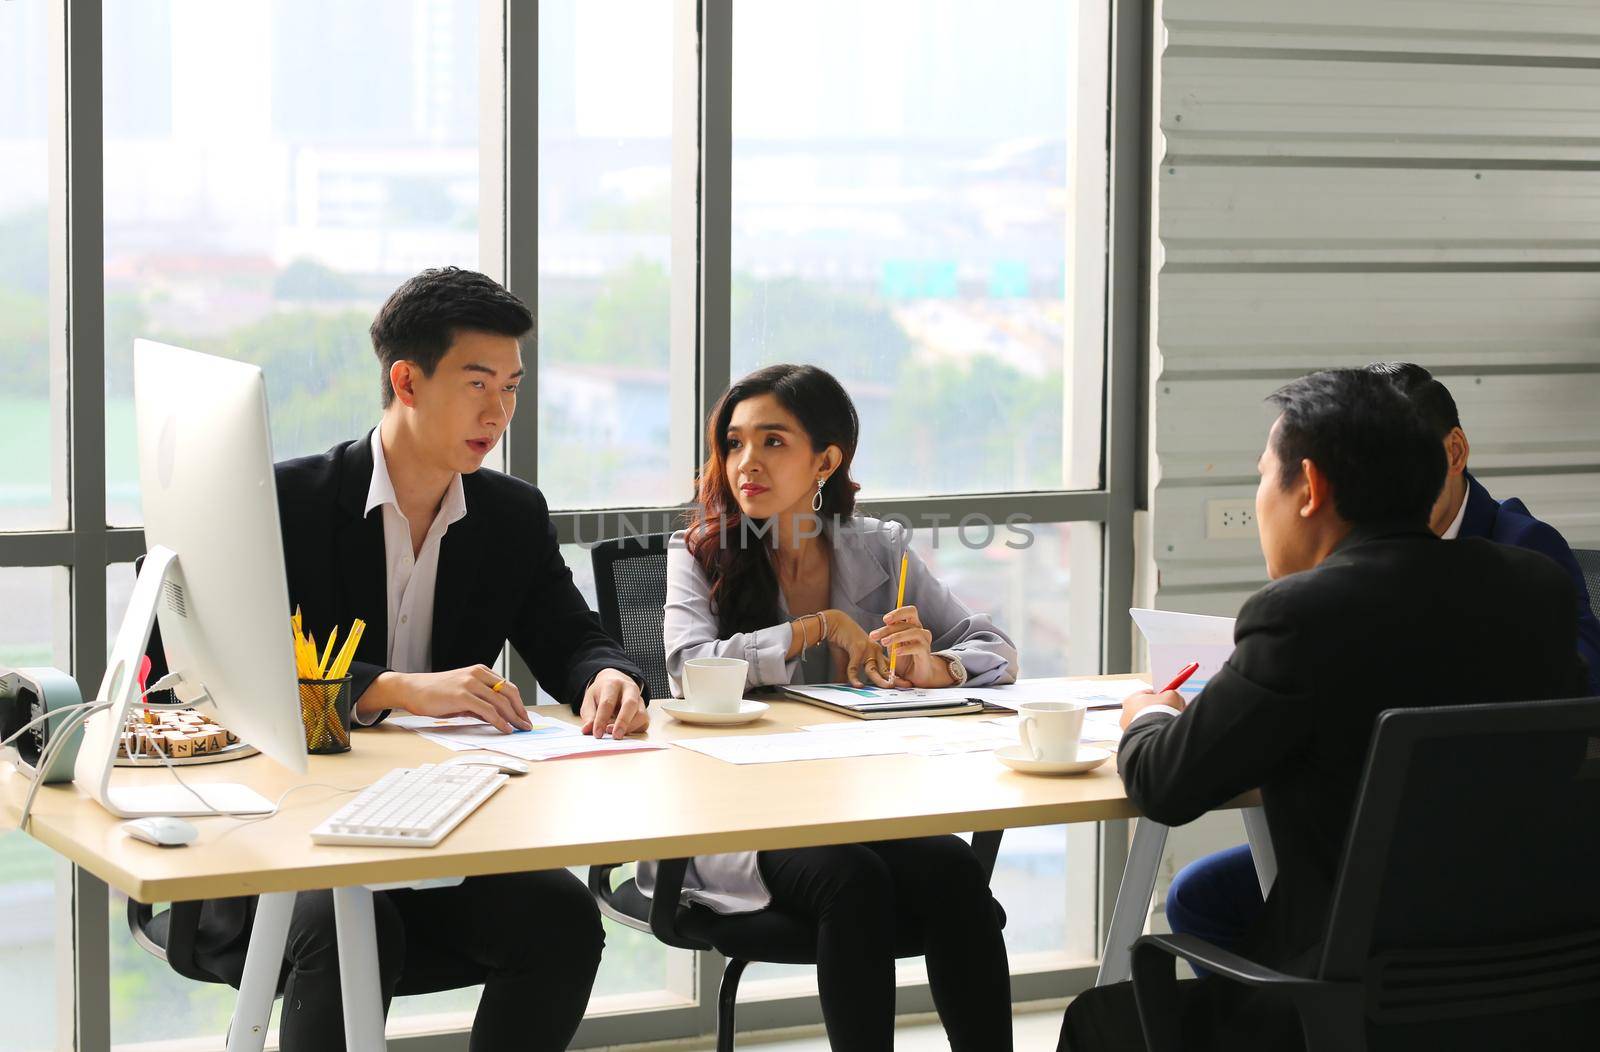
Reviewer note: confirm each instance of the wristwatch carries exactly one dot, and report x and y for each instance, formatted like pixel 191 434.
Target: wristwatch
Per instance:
pixel 958 671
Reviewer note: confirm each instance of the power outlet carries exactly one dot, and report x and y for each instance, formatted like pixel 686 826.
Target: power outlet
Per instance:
pixel 1228 520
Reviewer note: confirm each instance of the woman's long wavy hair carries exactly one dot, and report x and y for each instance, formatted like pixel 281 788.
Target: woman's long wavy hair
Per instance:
pixel 733 555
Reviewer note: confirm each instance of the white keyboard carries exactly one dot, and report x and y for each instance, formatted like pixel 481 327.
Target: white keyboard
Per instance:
pixel 411 806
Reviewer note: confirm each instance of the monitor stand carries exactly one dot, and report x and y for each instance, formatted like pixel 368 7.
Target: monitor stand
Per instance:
pixel 120 688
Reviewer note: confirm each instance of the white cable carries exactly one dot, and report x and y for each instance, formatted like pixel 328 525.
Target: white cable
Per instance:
pixel 57 742
pixel 278 803
pixel 160 684
pixel 243 816
pixel 64 710
pixel 48 755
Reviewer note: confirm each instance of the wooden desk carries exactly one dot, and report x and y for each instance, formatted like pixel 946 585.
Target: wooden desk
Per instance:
pixel 649 805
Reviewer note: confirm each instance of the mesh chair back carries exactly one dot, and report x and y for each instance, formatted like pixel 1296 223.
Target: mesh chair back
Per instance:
pixel 1467 883
pixel 630 583
pixel 1589 563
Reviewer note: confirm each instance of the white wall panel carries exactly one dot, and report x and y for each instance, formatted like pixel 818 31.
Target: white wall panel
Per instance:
pixel 1345 182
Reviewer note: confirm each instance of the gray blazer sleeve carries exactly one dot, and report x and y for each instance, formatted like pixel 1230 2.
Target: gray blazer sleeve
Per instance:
pixel 689 628
pixel 987 653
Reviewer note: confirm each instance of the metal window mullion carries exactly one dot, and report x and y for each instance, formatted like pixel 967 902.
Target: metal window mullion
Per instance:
pixel 716 207
pixel 1127 310
pixel 77 337
pixel 54 548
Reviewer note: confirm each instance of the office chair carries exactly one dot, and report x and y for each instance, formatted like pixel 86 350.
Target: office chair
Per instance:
pixel 1463 915
pixel 768 935
pixel 630 577
pixel 630 584
pixel 1589 563
pixel 169 936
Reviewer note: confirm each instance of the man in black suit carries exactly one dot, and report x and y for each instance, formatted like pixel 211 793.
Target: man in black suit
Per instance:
pixel 444 562
pixel 1367 610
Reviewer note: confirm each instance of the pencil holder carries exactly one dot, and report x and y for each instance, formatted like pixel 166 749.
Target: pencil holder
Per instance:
pixel 325 711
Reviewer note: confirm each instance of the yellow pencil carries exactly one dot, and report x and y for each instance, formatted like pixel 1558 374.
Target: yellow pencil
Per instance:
pixel 327 652
pixel 900 601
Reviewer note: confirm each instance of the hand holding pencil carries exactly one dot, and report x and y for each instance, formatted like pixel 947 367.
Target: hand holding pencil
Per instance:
pixel 907 639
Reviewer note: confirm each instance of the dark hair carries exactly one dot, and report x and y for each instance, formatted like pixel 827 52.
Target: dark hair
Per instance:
pixel 1430 397
pixel 420 319
pixel 744 588
pixel 1385 464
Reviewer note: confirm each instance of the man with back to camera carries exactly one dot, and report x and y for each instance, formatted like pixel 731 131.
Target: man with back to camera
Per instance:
pixel 445 562
pixel 1362 592
pixel 1217 897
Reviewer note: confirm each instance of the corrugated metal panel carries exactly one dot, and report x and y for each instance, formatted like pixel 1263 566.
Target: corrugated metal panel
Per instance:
pixel 1345 182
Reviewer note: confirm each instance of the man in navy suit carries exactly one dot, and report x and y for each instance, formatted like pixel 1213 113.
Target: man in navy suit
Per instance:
pixel 1466 509
pixel 1218 897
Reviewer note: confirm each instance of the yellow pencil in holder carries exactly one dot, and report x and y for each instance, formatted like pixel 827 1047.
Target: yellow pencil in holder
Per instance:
pixel 325 712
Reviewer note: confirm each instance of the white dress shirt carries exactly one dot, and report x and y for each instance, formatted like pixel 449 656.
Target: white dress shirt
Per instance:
pixel 411 577
pixel 1455 525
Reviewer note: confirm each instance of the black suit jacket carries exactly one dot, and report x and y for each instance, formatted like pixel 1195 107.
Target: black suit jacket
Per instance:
pixel 501 577
pixel 1394 617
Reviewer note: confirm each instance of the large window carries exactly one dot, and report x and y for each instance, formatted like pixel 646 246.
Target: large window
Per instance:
pixel 263 201
pixel 908 220
pixel 33 631
pixel 32 379
pixel 605 254
pixel 33 496
pixel 910 193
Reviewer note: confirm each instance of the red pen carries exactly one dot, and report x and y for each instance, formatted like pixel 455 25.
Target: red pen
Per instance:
pixel 1182 677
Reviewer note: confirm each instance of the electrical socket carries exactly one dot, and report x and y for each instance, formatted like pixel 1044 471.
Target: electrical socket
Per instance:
pixel 1230 519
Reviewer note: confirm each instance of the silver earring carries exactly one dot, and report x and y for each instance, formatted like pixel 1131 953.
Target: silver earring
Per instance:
pixel 816 500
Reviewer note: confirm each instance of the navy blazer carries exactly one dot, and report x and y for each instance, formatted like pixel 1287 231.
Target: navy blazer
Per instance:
pixel 1510 522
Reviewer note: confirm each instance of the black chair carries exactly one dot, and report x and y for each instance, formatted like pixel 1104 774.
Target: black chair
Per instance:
pixel 1589 563
pixel 630 585
pixel 1464 913
pixel 169 935
pixel 770 935
pixel 630 577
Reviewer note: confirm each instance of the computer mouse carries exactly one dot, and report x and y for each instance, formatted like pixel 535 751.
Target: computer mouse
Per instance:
pixel 508 764
pixel 166 832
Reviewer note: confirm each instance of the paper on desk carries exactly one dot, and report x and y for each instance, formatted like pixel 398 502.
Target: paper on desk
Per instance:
pixel 548 740
pixel 531 748
pixel 796 745
pixel 1176 639
pixel 928 735
pixel 1095 693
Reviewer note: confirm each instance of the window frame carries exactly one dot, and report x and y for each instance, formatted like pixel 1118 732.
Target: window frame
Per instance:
pixel 508 232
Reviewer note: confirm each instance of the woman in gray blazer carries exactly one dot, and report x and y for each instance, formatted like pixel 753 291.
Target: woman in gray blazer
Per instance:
pixel 777 569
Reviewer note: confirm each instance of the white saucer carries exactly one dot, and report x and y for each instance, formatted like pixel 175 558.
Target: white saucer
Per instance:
pixel 749 711
pixel 1088 759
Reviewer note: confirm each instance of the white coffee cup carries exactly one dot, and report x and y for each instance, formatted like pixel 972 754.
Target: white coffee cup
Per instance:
pixel 714 684
pixel 1049 729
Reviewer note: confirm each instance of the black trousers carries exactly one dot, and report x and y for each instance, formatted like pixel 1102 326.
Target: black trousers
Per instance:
pixel 864 900
pixel 532 939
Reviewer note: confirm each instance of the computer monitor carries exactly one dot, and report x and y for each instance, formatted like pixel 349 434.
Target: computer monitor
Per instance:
pixel 214 577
